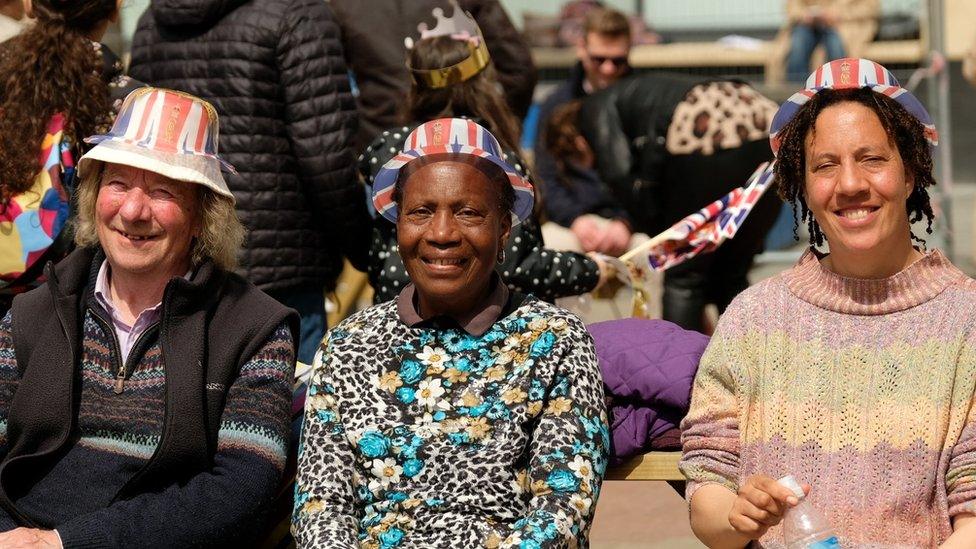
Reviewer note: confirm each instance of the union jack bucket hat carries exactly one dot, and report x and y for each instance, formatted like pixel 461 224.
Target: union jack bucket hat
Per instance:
pixel 449 136
pixel 851 73
pixel 167 132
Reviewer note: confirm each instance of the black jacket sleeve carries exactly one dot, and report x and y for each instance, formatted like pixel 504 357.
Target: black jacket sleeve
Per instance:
pixel 509 53
pixel 620 124
pixel 321 120
pixel 626 125
pixel 601 124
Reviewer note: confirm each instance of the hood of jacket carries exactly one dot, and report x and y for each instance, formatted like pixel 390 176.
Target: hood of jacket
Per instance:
pixel 194 13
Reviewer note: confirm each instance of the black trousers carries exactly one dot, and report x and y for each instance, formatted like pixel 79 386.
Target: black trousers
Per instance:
pixel 690 183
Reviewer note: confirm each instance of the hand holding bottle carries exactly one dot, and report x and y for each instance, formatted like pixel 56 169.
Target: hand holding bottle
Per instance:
pixel 804 526
pixel 760 504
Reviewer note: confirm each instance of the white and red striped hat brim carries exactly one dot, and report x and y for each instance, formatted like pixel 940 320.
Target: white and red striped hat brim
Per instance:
pixel 167 132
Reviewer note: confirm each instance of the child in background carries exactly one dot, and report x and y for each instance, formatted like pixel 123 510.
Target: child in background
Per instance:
pixel 585 215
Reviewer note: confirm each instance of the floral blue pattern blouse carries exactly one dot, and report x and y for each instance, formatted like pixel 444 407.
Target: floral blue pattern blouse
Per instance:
pixel 423 437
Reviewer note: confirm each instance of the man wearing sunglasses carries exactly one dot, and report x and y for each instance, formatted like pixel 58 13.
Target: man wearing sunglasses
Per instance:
pixel 604 50
pixel 602 54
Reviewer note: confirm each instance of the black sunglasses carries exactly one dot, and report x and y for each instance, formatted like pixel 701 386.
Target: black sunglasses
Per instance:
pixel 616 61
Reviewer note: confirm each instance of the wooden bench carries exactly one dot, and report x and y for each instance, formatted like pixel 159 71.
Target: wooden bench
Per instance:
pixel 660 466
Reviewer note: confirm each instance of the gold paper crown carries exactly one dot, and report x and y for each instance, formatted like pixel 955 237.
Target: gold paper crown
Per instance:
pixel 462 27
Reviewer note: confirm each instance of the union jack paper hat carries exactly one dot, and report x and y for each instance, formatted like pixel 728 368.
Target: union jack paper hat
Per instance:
pixel 850 73
pixel 167 132
pixel 449 136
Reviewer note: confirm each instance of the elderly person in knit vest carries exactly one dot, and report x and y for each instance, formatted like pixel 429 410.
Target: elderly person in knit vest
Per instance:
pixel 144 388
pixel 855 370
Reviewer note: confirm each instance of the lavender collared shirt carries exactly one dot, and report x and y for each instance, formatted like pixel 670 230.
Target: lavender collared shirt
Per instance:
pixel 127 335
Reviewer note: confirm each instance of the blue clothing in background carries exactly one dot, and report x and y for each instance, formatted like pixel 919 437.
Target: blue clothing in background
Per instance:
pixel 803 40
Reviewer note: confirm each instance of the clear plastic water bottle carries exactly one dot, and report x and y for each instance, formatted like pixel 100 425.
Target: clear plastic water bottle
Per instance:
pixel 804 527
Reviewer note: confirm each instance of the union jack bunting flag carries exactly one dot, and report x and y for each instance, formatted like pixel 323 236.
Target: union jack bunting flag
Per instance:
pixel 706 229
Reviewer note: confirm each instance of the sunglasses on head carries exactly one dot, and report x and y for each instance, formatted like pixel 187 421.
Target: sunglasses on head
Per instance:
pixel 615 61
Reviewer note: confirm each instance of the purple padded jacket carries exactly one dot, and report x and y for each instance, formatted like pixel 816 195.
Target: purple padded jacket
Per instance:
pixel 648 367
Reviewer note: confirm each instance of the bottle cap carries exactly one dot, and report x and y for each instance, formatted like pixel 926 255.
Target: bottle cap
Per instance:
pixel 794 486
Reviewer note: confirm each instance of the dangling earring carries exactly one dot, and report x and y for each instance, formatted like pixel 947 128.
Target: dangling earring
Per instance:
pixel 501 255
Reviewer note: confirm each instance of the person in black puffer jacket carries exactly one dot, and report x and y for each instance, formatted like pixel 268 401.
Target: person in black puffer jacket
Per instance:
pixel 376 58
pixel 274 70
pixel 668 146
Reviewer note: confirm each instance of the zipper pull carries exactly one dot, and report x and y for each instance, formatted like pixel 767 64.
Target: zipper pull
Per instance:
pixel 120 381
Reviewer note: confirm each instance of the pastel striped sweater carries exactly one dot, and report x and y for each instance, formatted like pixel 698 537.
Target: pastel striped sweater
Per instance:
pixel 862 388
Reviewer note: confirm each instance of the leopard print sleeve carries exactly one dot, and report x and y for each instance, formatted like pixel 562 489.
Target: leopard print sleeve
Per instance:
pixel 569 450
pixel 325 512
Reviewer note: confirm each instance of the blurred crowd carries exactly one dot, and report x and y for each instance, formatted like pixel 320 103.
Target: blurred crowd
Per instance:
pixel 613 164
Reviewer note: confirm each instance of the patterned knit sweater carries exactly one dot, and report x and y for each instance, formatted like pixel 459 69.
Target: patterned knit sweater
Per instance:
pixel 117 433
pixel 435 438
pixel 862 388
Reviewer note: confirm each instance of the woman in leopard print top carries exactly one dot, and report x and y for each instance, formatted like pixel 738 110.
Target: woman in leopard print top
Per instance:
pixel 528 266
pixel 460 414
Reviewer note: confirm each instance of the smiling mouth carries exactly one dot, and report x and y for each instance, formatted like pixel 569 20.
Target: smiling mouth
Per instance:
pixel 444 261
pixel 856 214
pixel 136 237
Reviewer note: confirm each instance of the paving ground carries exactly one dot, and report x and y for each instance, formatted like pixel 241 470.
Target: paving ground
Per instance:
pixel 641 514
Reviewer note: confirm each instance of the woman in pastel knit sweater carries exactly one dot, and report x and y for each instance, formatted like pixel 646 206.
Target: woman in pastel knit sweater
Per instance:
pixel 855 370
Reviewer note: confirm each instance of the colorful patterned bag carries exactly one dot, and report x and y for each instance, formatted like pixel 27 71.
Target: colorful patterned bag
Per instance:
pixel 32 223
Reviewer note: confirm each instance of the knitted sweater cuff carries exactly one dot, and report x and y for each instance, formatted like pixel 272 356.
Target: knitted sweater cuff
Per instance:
pixel 84 531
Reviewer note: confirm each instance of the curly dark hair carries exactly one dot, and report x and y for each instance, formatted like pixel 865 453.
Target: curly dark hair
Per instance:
pixel 478 97
pixel 53 67
pixel 902 128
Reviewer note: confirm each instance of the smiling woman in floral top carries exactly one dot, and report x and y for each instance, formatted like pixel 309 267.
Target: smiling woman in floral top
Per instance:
pixel 460 414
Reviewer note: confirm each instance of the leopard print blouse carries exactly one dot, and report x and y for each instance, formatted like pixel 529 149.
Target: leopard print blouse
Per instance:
pixel 422 437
